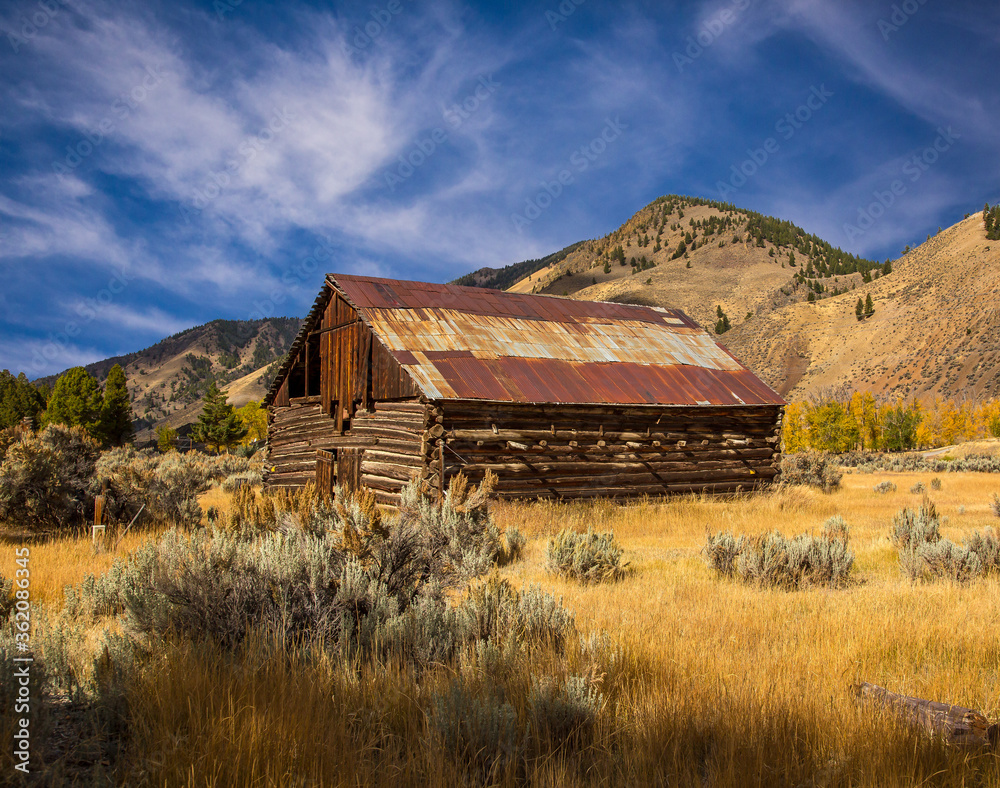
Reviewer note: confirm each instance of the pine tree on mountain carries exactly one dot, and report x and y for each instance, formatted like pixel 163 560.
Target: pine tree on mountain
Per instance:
pixel 869 306
pixel 859 309
pixel 116 411
pixel 218 425
pixel 76 401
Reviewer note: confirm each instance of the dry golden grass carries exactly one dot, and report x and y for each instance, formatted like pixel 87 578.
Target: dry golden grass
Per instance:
pixel 57 563
pixel 718 684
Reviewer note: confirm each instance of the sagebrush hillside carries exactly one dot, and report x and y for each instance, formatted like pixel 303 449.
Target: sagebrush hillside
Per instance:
pixel 708 258
pixel 935 330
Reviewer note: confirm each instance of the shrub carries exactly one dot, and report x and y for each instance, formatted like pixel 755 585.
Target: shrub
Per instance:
pixel 986 546
pixel 45 478
pixel 867 462
pixel 884 487
pixel 483 733
pixel 498 612
pixel 918 488
pixel 911 528
pixel 589 558
pixel 924 555
pixel 816 469
pixel 242 479
pixel 935 484
pixel 773 560
pixel 563 714
pixel 8 437
pixel 6 599
pixel 104 595
pixel 167 484
pixel 349 580
pixel 995 504
pixel 721 552
pixel 463 539
pixel 943 559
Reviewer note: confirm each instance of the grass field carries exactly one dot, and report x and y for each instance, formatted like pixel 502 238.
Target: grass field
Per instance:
pixel 714 683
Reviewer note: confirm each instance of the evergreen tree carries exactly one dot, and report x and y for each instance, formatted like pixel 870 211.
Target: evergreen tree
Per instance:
pixel 18 399
pixel 859 309
pixel 869 306
pixel 722 325
pixel 116 412
pixel 218 425
pixel 75 401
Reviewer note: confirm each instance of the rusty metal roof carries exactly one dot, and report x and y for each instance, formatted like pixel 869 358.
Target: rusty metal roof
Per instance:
pixel 471 343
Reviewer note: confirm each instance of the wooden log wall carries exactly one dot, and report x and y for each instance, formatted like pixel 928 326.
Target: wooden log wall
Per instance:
pixel 383 449
pixel 396 452
pixel 294 433
pixel 551 451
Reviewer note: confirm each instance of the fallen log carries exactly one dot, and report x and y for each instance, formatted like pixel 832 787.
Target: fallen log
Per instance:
pixel 955 724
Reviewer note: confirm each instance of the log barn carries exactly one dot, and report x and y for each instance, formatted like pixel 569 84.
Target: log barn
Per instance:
pixel 390 380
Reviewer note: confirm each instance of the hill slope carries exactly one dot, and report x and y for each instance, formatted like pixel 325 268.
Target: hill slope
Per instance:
pixel 935 330
pixel 791 298
pixel 167 381
pixel 700 256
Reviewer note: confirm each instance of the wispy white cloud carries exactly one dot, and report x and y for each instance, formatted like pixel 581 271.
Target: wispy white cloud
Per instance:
pixel 148 321
pixel 922 88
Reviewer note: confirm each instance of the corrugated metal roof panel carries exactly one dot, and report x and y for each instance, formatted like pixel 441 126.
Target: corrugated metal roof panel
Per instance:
pixel 471 343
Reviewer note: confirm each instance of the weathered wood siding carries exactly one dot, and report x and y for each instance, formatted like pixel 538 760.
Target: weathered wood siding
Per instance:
pixel 399 452
pixel 294 434
pixel 383 449
pixel 585 452
pixel 355 368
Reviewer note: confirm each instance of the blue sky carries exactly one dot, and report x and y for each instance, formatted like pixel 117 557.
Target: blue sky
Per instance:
pixel 166 164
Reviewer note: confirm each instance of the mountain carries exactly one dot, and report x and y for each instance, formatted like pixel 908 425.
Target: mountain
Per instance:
pixel 167 381
pixel 790 298
pixel 502 278
pixel 935 329
pixel 702 256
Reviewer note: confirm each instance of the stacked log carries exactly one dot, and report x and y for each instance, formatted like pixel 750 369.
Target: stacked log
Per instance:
pixel 551 451
pixel 396 430
pixel 293 436
pixel 536 451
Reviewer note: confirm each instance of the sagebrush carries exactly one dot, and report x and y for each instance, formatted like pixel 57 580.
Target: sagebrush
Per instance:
pixel 588 557
pixel 46 479
pixel 816 469
pixel 774 560
pixel 924 555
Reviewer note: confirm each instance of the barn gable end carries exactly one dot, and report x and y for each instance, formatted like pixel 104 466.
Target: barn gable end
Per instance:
pixel 392 380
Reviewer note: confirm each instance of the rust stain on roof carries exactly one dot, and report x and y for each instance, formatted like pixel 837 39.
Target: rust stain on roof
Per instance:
pixel 471 343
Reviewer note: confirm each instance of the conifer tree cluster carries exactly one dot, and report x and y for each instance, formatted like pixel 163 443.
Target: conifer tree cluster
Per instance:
pixel 864 308
pixel 991 218
pixel 722 325
pixel 19 400
pixel 77 400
